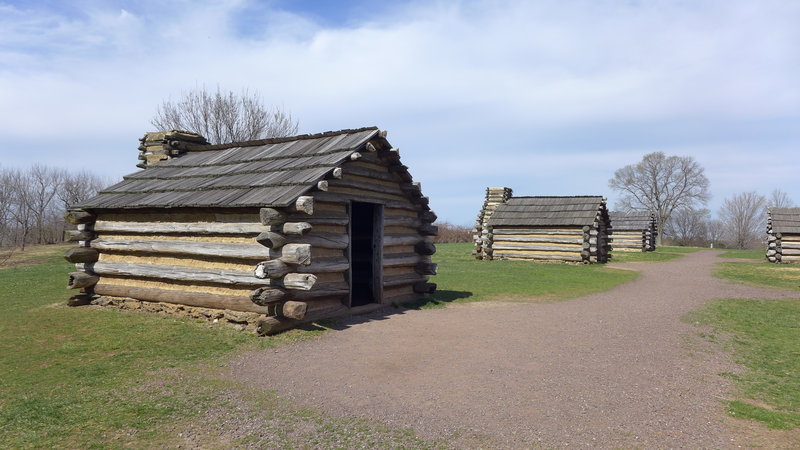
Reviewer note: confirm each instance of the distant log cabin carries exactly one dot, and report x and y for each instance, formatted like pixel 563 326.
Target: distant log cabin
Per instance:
pixel 634 231
pixel 573 229
pixel 271 233
pixel 783 235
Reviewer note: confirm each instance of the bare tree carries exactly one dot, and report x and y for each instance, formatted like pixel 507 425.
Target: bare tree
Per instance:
pixel 449 232
pixel 662 184
pixel 19 211
pixel 744 218
pixel 715 230
pixel 779 199
pixel 688 226
pixel 79 186
pixel 42 184
pixel 223 117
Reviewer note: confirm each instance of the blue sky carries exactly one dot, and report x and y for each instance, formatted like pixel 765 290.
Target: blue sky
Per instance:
pixel 547 97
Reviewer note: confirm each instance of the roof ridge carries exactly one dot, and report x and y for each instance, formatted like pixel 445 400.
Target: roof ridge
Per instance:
pixel 275 140
pixel 555 196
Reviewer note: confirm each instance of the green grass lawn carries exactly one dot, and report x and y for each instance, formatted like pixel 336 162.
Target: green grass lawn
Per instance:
pixel 101 377
pixel 743 254
pixel 765 338
pixel 661 254
pixel 462 278
pixel 764 274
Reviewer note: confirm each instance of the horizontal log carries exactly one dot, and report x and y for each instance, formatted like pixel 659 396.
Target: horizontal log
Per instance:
pixel 76 216
pixel 403 279
pixel 791 259
pixel 330 264
pixel 401 239
pixel 188 298
pixel 555 239
pixel 789 252
pixel 81 255
pixel 176 273
pixel 534 256
pixel 401 259
pixel 271 216
pixel 365 197
pixel 369 173
pixel 78 280
pixel 79 235
pixel 294 310
pixel 296 228
pixel 536 247
pixel 265 296
pixel 546 231
pixel 790 244
pixel 324 240
pixel 179 227
pixel 193 248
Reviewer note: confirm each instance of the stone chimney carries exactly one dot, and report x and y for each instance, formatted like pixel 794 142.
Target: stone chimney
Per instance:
pixel 163 145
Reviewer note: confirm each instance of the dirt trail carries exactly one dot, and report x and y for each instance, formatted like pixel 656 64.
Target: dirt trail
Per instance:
pixel 615 369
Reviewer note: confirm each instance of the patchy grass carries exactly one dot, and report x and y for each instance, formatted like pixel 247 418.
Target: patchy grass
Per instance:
pixel 462 278
pixel 743 254
pixel 661 254
pixel 763 274
pixel 765 338
pixel 34 254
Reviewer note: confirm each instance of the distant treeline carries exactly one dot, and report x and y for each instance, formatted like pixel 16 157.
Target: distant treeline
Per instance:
pixel 33 201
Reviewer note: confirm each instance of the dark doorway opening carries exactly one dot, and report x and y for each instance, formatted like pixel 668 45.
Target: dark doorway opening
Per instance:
pixel 365 253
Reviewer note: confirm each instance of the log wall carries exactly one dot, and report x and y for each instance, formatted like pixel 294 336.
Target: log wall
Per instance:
pixel 288 264
pixel 495 196
pixel 630 240
pixel 782 248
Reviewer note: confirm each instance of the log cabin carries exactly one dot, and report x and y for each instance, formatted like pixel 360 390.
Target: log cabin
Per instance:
pixel 546 228
pixel 634 231
pixel 271 233
pixel 783 235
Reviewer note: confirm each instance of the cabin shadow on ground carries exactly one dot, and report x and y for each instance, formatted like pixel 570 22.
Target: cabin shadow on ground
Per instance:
pixel 343 323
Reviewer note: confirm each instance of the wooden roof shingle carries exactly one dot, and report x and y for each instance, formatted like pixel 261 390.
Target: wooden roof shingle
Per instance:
pixel 630 221
pixel 266 172
pixel 785 220
pixel 547 211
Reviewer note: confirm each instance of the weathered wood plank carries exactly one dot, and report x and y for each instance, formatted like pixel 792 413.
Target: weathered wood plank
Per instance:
pixel 164 272
pixel 178 247
pixel 199 299
pixel 179 227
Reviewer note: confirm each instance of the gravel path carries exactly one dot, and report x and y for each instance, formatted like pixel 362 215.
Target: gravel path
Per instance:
pixel 615 369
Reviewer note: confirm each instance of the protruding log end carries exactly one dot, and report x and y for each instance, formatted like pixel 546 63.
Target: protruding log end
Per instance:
pixel 425 248
pixel 296 228
pixel 294 310
pixel 423 287
pixel 355 156
pixel 266 295
pixel 274 325
pixel 296 254
pixel 427 268
pixel 273 268
pixel 82 255
pixel 76 216
pixel 304 203
pixel 428 230
pixel 299 281
pixel 271 216
pixel 78 280
pixel 322 185
pixel 81 299
pixel 337 173
pixel 271 239
pixel 370 147
pixel 428 216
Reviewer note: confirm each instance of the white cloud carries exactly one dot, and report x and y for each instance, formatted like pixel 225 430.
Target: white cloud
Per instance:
pixel 457 83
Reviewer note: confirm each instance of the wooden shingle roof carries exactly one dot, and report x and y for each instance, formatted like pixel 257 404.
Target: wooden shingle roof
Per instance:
pixel 547 211
pixel 635 220
pixel 785 220
pixel 267 172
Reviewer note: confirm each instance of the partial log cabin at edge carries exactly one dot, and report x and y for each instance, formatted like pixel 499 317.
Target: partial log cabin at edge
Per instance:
pixel 548 228
pixel 289 229
pixel 634 231
pixel 783 235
